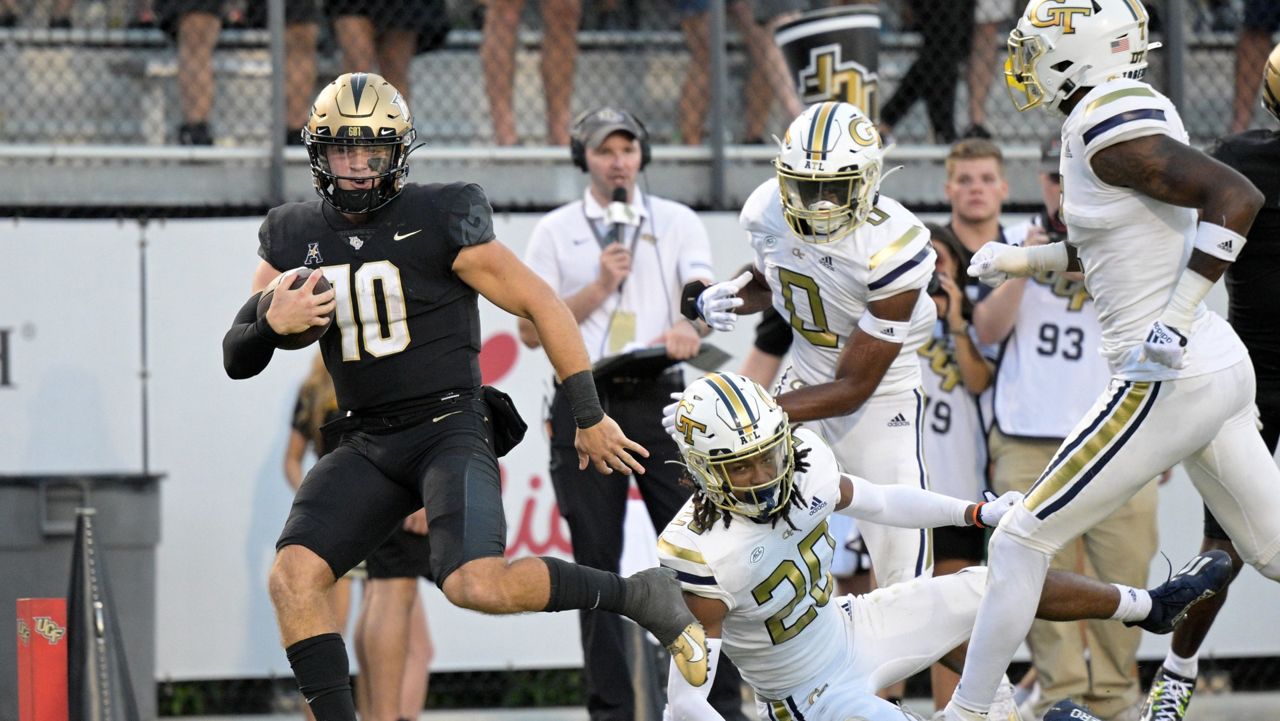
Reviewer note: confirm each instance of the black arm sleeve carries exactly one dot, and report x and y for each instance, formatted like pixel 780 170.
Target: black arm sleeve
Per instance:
pixel 249 345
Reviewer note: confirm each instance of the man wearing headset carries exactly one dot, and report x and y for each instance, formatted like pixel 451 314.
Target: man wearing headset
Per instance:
pixel 619 258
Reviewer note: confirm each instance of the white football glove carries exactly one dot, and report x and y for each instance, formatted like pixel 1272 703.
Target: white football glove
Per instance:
pixel 995 262
pixel 717 303
pixel 993 510
pixel 669 414
pixel 1165 345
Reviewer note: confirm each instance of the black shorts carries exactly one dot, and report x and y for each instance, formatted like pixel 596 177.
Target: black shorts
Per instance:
pixel 428 18
pixel 355 496
pixel 964 543
pixel 402 555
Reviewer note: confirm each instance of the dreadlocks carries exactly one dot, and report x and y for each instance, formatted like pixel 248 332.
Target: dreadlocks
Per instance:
pixel 705 513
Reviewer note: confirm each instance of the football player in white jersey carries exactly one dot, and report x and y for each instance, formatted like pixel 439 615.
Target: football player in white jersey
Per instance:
pixel 753 552
pixel 846 267
pixel 1182 387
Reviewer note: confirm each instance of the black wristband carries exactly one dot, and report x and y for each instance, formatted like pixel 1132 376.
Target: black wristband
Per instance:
pixel 584 402
pixel 689 299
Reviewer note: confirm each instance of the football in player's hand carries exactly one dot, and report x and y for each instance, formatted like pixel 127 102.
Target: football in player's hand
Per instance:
pixel 310 335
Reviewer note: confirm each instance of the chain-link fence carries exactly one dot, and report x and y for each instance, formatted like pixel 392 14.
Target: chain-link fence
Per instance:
pixel 506 72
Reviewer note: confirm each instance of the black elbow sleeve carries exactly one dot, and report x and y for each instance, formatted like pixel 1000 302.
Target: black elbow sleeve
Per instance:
pixel 249 344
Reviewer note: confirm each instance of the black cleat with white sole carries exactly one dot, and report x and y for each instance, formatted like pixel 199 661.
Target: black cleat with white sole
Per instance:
pixel 655 601
pixel 1202 577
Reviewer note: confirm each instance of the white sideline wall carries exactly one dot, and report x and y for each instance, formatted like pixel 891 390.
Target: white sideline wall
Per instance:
pixel 71 314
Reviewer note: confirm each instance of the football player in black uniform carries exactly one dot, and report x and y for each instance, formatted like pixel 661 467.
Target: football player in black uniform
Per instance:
pixel 406 263
pixel 1253 304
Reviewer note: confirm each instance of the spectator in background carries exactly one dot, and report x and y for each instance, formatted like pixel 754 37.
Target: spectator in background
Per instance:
pixel 975 188
pixel 1261 20
pixel 144 15
pixel 756 21
pixel 945 29
pixel 59 14
pixel 382 36
pixel 624 292
pixel 954 372
pixel 196 24
pixel 560 20
pixel 983 65
pixel 1049 371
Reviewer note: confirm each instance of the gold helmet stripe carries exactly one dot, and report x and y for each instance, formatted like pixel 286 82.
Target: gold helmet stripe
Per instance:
pixel 735 402
pixel 818 130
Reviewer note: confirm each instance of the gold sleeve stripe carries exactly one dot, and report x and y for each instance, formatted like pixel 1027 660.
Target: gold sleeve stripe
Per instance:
pixel 1085 452
pixel 892 249
pixel 1118 95
pixel 684 554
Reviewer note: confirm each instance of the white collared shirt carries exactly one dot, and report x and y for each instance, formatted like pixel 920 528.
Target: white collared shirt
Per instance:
pixel 669 248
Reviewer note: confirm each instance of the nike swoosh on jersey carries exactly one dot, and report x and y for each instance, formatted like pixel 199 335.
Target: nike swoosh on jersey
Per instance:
pixel 437 419
pixel 398 236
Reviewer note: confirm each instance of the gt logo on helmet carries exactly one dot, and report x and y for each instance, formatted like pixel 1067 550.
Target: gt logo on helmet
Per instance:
pixel 1056 16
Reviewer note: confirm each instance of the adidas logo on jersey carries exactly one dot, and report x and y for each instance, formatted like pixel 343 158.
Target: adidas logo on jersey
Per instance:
pixel 887 331
pixel 827 262
pixel 899 421
pixel 816 505
pixel 1225 245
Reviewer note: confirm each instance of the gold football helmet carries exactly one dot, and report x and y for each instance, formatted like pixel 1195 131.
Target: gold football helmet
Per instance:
pixel 360 131
pixel 1271 84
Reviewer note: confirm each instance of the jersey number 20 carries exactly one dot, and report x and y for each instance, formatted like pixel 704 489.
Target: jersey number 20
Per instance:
pixel 371 309
pixel 815 585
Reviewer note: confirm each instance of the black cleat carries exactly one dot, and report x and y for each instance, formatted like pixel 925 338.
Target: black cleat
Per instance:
pixel 1067 710
pixel 654 600
pixel 1169 697
pixel 1202 577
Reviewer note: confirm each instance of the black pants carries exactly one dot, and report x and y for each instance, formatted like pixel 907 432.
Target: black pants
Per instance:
pixel 594 505
pixel 945 30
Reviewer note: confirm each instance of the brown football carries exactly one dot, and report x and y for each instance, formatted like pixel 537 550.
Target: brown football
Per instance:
pixel 310 335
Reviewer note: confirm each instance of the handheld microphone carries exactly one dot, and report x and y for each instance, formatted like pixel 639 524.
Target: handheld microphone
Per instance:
pixel 618 214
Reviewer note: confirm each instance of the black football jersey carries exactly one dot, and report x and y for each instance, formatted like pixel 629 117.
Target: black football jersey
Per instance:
pixel 1253 281
pixel 408 328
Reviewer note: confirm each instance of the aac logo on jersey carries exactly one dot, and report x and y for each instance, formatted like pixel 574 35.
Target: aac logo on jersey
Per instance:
pixel 1055 13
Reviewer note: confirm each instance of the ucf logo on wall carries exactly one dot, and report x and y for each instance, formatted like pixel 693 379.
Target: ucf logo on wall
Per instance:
pixel 833 54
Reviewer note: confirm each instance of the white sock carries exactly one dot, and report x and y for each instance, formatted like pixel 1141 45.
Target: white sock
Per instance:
pixel 1187 667
pixel 1135 603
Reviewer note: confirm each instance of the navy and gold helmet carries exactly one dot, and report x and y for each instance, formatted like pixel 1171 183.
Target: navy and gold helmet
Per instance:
pixel 359 115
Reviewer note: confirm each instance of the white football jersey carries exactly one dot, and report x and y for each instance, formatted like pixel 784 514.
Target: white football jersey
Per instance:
pixel 1133 248
pixel 823 289
pixel 1050 369
pixel 955 447
pixel 782 628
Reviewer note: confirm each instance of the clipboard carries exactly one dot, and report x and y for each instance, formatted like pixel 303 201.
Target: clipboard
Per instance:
pixel 651 362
